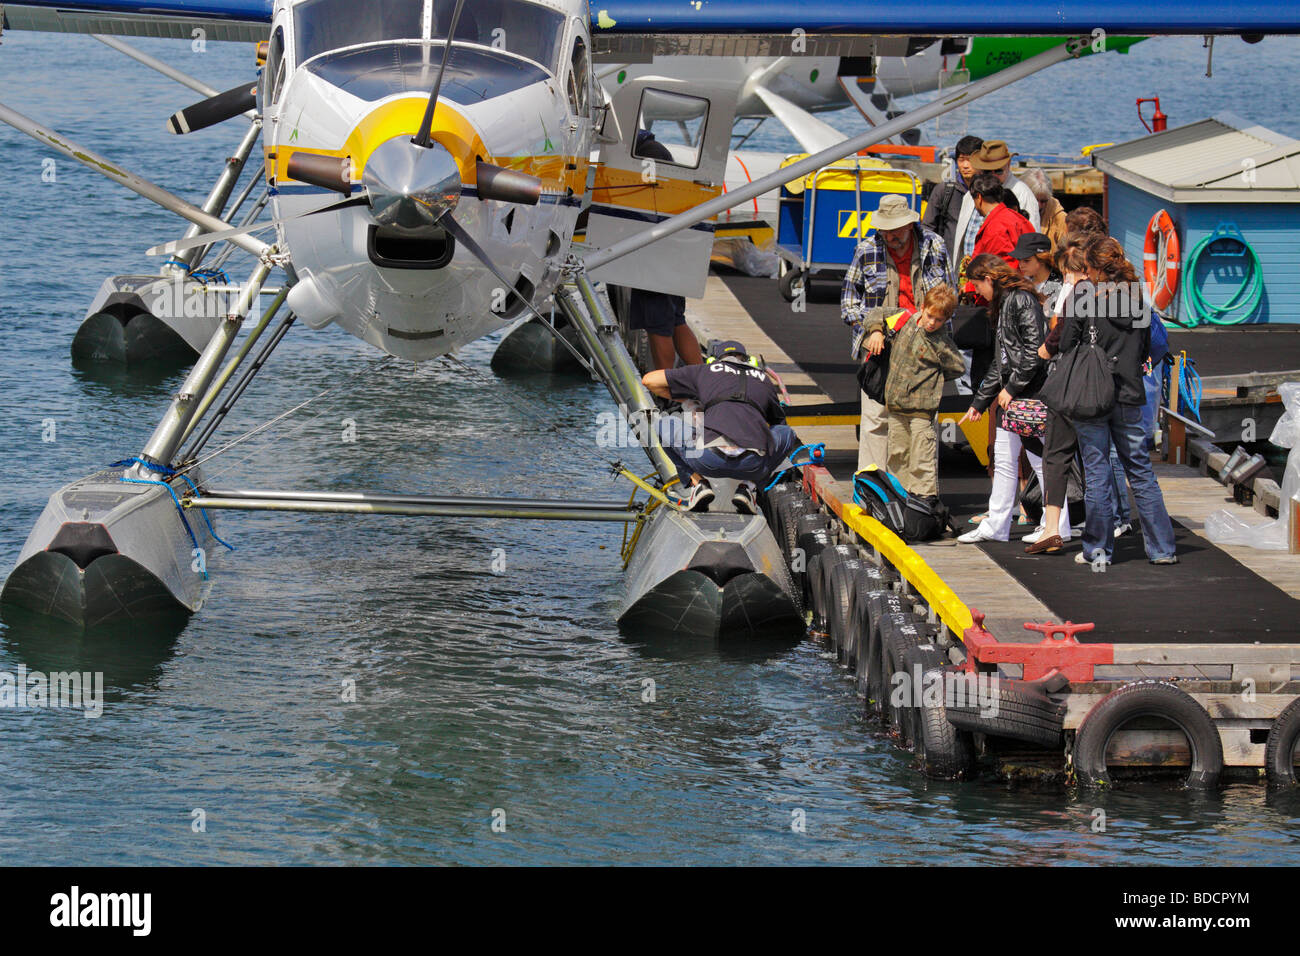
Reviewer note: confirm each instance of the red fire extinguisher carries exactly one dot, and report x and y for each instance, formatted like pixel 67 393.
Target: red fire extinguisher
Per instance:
pixel 1159 121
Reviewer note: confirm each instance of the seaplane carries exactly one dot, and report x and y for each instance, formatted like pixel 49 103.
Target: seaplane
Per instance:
pixel 429 167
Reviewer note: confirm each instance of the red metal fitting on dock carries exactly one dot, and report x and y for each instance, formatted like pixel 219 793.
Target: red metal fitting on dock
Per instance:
pixel 1058 651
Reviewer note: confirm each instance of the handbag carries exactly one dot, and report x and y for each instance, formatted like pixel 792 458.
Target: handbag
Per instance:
pixel 872 375
pixel 874 370
pixel 1083 385
pixel 1027 417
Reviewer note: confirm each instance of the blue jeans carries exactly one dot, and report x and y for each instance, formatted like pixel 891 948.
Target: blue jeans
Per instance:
pixel 1123 426
pixel 678 440
pixel 1120 485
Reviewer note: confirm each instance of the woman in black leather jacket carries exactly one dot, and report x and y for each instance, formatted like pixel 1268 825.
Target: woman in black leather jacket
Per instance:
pixel 1017 372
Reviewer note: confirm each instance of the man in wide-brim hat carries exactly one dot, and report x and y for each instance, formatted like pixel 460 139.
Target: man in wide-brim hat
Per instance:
pixel 892 268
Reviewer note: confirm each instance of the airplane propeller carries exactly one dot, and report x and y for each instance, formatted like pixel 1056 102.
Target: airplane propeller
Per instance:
pixel 493 182
pixel 213 110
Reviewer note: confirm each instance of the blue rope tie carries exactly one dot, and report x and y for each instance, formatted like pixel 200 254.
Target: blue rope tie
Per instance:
pixel 203 275
pixel 816 455
pixel 172 472
pixel 179 510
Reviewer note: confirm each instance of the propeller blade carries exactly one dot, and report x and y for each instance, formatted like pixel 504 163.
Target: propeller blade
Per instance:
pixel 508 185
pixel 423 137
pixel 208 238
pixel 214 110
pixel 449 223
pixel 327 172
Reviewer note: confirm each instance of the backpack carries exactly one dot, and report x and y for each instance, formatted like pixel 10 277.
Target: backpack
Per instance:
pixel 911 517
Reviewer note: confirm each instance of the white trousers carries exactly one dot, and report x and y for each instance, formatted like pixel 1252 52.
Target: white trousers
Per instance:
pixel 1006 482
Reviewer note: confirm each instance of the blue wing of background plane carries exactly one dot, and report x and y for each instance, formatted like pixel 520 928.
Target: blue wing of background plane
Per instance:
pixel 928 18
pixel 246 10
pixel 940 17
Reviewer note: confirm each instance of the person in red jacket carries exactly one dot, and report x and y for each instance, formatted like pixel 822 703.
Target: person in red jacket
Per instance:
pixel 1002 226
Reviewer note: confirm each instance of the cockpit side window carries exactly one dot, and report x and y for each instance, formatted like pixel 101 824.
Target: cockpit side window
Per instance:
pixel 274 70
pixel 579 72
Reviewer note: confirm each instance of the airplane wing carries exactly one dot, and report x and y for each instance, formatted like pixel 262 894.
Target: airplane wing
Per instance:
pixel 238 20
pixel 940 17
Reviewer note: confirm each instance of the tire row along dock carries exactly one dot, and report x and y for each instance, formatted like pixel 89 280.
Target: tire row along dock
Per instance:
pixel 981 659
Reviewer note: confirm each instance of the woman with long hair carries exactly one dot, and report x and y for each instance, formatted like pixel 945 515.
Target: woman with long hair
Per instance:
pixel 1017 372
pixel 1061 445
pixel 1123 331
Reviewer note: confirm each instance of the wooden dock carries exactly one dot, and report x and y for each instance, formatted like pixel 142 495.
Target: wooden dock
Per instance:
pixel 1220 631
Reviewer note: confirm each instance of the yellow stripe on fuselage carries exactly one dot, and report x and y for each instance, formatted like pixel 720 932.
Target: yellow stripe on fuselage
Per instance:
pixel 666 196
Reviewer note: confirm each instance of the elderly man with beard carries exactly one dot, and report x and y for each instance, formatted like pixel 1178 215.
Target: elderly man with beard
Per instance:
pixel 892 269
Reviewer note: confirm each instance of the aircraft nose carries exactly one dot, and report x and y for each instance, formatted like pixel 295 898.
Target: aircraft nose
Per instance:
pixel 409 185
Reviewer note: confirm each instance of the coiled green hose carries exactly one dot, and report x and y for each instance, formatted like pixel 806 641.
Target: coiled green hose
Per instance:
pixel 1243 301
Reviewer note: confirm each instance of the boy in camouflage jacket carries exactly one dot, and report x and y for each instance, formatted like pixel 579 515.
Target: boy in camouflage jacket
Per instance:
pixel 922 357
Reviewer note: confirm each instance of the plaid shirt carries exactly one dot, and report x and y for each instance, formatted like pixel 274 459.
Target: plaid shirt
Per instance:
pixel 866 284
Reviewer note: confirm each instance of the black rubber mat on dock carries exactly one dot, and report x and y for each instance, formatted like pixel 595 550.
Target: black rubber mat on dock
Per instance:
pixel 1208 598
pixel 816 339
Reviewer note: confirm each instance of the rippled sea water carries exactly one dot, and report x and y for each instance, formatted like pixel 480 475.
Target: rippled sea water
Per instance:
pixel 475 692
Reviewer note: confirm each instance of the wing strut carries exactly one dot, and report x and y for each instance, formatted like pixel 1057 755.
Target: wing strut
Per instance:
pixel 936 107
pixel 184 79
pixel 154 193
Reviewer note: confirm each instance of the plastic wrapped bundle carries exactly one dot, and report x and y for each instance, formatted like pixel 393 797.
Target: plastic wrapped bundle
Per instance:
pixel 1225 527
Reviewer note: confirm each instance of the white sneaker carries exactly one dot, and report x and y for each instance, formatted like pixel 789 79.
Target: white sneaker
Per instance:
pixel 1100 559
pixel 1123 529
pixel 979 534
pixel 1035 536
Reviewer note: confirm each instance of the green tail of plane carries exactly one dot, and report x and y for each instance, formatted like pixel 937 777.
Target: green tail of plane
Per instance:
pixel 988 55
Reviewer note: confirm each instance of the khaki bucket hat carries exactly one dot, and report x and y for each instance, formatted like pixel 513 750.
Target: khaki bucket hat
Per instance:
pixel 893 212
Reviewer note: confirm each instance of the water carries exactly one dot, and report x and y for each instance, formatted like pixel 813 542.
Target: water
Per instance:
pixel 475 692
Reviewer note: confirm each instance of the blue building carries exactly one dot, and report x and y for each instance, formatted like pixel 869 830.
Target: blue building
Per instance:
pixel 1223 175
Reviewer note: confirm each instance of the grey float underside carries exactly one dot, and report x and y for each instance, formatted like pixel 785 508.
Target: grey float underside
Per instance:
pixel 717 575
pixel 140 564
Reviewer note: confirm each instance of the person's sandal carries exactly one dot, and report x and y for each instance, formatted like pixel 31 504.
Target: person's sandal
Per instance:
pixel 1046 545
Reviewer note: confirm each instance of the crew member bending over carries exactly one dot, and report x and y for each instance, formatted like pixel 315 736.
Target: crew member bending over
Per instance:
pixel 743 434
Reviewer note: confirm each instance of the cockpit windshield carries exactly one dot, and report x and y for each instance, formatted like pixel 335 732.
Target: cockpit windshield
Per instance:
pixel 515 26
pixel 323 25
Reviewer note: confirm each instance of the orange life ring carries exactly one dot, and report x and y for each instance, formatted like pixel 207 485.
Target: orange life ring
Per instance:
pixel 1160 260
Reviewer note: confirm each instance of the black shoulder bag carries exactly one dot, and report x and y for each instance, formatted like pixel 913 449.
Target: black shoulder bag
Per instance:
pixel 1082 385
